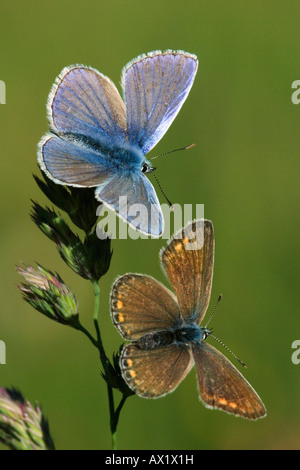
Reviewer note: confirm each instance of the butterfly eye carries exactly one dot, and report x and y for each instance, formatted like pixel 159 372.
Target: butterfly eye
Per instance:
pixel 145 168
pixel 206 332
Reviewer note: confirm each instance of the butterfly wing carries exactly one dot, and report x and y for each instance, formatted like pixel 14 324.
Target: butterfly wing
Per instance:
pixel 155 87
pixel 135 200
pixel 85 102
pixel 222 386
pixel 188 262
pixel 139 305
pixel 87 118
pixel 154 373
pixel 68 161
pixel 130 194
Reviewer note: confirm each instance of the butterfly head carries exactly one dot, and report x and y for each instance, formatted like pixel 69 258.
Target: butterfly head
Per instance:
pixel 146 167
pixel 206 332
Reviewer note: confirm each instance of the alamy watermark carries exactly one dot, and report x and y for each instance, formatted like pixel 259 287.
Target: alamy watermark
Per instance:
pixel 2 352
pixel 296 94
pixel 175 217
pixel 2 92
pixel 296 354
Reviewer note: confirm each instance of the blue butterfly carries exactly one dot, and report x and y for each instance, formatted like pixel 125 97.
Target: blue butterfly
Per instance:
pixel 97 139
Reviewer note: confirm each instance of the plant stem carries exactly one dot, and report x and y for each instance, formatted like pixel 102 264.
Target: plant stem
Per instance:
pixel 114 424
pixel 114 415
pixel 97 300
pixel 81 328
pixel 104 359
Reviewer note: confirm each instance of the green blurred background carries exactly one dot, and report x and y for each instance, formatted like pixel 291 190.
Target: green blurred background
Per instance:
pixel 245 169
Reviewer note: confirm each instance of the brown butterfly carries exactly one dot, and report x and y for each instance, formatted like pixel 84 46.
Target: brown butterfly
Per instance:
pixel 165 332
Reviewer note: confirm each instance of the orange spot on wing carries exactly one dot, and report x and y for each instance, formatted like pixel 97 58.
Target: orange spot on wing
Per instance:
pixel 120 318
pixel 178 247
pixel 222 401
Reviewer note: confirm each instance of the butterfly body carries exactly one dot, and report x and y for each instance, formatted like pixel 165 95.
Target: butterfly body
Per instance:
pixel 165 332
pixel 119 156
pixel 177 336
pixel 97 139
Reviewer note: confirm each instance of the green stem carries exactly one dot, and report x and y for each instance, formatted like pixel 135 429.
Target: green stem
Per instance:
pixel 103 358
pixel 97 300
pixel 105 364
pixel 114 414
pixel 81 328
pixel 114 424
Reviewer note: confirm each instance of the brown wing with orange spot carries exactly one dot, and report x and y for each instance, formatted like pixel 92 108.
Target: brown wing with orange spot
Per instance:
pixel 222 386
pixel 188 261
pixel 141 305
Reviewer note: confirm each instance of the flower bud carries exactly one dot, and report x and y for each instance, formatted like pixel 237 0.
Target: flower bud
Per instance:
pixel 114 378
pixel 22 426
pixel 48 294
pixel 79 203
pixel 90 258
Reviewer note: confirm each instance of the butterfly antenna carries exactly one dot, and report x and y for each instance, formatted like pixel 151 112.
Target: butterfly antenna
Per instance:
pixel 152 170
pixel 172 151
pixel 219 299
pixel 229 350
pixel 162 191
pixel 210 333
